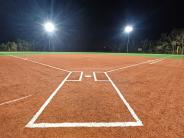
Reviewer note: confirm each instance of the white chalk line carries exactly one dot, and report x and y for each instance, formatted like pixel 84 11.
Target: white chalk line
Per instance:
pixel 95 78
pixel 161 59
pixel 32 124
pixel 90 124
pixel 15 100
pixel 43 64
pixel 94 75
pixel 87 76
pixel 83 124
pixel 80 77
pixel 112 70
pixel 154 62
pixel 141 63
pixel 35 117
pixel 133 65
pixel 124 101
pixel 138 122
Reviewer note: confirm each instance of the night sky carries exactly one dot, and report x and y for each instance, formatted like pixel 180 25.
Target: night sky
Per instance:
pixel 88 25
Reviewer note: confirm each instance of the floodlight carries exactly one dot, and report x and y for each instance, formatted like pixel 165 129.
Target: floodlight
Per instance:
pixel 49 27
pixel 128 29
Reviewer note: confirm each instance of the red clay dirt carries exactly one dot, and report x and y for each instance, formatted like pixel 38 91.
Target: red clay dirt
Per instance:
pixel 155 92
pixel 86 101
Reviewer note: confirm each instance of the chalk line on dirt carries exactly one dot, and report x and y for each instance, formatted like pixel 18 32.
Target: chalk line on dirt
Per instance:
pixel 95 78
pixel 154 62
pixel 83 124
pixel 15 100
pixel 32 124
pixel 133 65
pixel 43 64
pixel 141 63
pixel 80 77
pixel 125 101
pixel 160 59
pixel 35 117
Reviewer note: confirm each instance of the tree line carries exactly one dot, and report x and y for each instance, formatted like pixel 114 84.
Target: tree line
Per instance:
pixel 172 42
pixel 20 45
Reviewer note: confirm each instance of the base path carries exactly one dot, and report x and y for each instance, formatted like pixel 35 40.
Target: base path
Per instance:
pixel 81 101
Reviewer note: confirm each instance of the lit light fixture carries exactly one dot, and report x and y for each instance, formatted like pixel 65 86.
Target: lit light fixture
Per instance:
pixel 49 27
pixel 128 29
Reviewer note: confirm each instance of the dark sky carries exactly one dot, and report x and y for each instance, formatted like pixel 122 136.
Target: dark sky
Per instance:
pixel 88 24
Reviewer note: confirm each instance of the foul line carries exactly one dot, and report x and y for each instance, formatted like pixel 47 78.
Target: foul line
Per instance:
pixel 161 59
pixel 148 61
pixel 141 63
pixel 36 62
pixel 156 61
pixel 15 100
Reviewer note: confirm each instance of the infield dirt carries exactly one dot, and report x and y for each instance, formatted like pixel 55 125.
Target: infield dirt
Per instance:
pixel 154 91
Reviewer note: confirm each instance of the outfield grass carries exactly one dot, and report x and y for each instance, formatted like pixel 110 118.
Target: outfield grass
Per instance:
pixel 173 56
pixel 40 53
pixel 115 54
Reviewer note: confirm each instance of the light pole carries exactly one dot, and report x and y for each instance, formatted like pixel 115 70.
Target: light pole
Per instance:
pixel 128 29
pixel 50 28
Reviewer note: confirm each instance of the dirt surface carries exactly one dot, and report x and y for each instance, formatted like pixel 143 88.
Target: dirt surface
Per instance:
pixel 86 101
pixel 154 91
pixel 90 62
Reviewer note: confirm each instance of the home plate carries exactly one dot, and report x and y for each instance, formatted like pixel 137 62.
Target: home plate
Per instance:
pixel 88 76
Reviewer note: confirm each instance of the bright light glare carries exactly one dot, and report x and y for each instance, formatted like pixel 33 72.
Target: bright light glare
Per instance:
pixel 128 29
pixel 49 27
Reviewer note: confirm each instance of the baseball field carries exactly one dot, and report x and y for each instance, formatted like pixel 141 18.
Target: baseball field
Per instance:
pixel 91 95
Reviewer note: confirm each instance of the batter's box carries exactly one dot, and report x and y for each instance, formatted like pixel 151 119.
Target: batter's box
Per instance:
pixel 100 76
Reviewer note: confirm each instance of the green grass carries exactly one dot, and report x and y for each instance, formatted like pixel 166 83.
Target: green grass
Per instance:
pixel 173 56
pixel 105 53
pixel 42 53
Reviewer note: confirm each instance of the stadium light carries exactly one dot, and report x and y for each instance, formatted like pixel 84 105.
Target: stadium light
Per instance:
pixel 128 29
pixel 50 28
